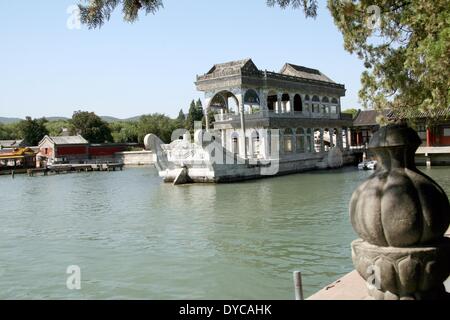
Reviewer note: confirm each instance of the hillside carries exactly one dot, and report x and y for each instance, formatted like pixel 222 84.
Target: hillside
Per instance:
pixel 7 120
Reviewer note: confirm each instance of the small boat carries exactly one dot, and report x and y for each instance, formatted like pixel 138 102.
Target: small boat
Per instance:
pixel 367 165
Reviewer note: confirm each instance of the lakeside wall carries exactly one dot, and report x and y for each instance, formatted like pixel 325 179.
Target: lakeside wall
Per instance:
pixel 136 158
pixel 434 156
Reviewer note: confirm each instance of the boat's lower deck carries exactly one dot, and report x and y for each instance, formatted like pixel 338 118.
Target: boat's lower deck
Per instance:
pixel 252 169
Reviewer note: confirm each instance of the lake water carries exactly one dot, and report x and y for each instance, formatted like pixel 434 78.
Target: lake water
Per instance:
pixel 134 237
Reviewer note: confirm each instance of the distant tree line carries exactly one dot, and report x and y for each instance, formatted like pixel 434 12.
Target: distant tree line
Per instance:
pixel 94 129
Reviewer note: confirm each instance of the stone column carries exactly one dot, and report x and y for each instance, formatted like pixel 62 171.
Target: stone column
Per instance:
pixel 294 140
pixel 339 138
pixel 331 133
pixel 263 101
pixel 401 216
pixel 223 138
pixel 291 103
pixel 305 140
pixel 428 137
pixel 244 144
pixel 347 145
pixel 322 146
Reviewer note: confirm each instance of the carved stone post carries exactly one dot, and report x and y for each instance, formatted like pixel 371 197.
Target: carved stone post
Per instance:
pixel 401 216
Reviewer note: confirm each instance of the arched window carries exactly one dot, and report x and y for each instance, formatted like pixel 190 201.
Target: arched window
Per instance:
pixel 271 101
pixel 298 106
pixel 224 100
pixel 287 137
pixel 306 98
pixel 218 101
pixel 325 100
pixel 300 140
pixel 251 101
pixel 315 104
pixel 334 108
pixel 251 97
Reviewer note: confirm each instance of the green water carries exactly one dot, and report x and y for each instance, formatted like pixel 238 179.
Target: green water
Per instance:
pixel 136 238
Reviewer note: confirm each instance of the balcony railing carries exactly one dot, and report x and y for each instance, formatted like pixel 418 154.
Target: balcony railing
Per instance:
pixel 271 114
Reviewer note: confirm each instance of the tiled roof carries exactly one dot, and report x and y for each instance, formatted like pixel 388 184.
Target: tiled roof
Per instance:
pixel 229 67
pixel 304 72
pixel 11 143
pixel 369 117
pixel 411 113
pixel 247 67
pixel 69 140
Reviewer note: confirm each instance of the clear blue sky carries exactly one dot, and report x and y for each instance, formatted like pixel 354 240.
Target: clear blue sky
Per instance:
pixel 124 70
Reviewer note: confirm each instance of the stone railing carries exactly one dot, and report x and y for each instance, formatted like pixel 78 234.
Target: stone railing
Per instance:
pixel 271 114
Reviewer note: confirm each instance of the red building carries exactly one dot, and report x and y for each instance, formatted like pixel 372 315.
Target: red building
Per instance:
pixel 433 129
pixel 76 149
pixel 63 149
pixel 106 150
pixel 364 125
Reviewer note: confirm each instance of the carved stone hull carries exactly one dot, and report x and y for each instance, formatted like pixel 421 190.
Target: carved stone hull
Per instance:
pixel 413 273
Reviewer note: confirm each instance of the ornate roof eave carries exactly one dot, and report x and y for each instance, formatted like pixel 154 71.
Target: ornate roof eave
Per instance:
pixel 266 80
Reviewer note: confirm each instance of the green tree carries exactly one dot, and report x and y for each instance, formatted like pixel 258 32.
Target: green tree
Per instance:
pixel 198 103
pixel 195 114
pixel 181 120
pixel 351 111
pixel 181 115
pixel 4 135
pixel 91 127
pixel 124 131
pixel 405 45
pixel 55 128
pixel 9 131
pixel 211 119
pixel 94 13
pixel 32 130
pixel 158 124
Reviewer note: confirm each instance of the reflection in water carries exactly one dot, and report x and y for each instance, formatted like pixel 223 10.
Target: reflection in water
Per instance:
pixel 135 237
